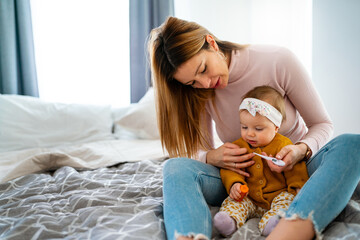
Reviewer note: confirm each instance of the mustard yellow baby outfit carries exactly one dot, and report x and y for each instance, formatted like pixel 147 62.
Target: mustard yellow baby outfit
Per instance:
pixel 269 192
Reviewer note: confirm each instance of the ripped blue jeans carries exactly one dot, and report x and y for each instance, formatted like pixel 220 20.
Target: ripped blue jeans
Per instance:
pixel 189 186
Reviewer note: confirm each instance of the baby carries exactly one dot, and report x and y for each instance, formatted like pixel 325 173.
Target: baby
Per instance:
pixel 261 114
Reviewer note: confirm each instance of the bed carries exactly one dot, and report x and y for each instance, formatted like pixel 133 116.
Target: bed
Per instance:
pixel 72 171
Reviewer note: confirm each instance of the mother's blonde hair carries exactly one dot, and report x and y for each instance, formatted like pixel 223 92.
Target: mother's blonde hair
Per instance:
pixel 180 108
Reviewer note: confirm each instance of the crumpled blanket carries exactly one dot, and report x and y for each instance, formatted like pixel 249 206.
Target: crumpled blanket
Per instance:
pixel 119 202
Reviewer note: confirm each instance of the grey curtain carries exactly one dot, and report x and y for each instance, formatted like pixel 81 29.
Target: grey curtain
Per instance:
pixel 17 61
pixel 144 16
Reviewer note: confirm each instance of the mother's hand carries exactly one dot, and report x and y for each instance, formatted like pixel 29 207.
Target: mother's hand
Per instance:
pixel 230 156
pixel 290 154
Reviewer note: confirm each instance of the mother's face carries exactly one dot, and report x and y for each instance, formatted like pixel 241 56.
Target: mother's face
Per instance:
pixel 207 69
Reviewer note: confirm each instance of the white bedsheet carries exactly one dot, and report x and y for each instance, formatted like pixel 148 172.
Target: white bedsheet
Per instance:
pixel 81 156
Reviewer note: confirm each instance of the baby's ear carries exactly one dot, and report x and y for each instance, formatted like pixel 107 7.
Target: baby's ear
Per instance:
pixel 276 129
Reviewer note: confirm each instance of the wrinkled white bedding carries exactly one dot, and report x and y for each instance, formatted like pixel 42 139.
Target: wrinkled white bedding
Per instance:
pixel 80 156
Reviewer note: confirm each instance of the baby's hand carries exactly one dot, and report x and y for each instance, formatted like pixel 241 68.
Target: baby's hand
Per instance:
pixel 236 193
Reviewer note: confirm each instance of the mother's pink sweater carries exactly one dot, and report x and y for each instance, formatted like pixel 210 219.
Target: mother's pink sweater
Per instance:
pixel 306 117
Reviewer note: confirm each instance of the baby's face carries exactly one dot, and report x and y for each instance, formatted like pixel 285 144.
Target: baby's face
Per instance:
pixel 258 131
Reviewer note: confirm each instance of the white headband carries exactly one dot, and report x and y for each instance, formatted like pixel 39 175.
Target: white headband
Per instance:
pixel 254 106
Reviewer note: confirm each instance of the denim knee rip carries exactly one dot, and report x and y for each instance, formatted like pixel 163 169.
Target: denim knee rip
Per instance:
pixel 199 236
pixel 295 216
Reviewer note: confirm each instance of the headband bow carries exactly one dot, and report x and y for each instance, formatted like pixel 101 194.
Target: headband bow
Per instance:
pixel 254 106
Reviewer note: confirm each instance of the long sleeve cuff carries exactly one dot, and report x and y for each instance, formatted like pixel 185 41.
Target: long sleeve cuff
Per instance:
pixel 202 156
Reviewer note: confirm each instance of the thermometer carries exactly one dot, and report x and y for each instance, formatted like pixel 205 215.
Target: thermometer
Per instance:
pixel 274 160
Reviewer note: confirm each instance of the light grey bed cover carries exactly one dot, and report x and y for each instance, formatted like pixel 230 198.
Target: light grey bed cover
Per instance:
pixel 120 202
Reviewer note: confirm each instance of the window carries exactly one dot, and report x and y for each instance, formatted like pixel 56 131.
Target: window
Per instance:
pixel 82 50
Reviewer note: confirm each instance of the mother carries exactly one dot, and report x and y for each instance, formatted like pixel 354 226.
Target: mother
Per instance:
pixel 199 78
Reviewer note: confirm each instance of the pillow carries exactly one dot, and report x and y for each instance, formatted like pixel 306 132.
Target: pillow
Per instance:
pixel 119 112
pixel 141 118
pixel 118 131
pixel 28 122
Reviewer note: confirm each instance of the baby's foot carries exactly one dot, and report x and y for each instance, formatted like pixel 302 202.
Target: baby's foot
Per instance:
pixel 225 224
pixel 271 224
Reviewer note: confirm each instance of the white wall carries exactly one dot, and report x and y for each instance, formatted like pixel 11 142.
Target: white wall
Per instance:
pixel 281 22
pixel 336 60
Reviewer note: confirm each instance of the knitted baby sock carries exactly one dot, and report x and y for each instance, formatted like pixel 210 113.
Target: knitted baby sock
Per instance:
pixel 271 224
pixel 225 224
